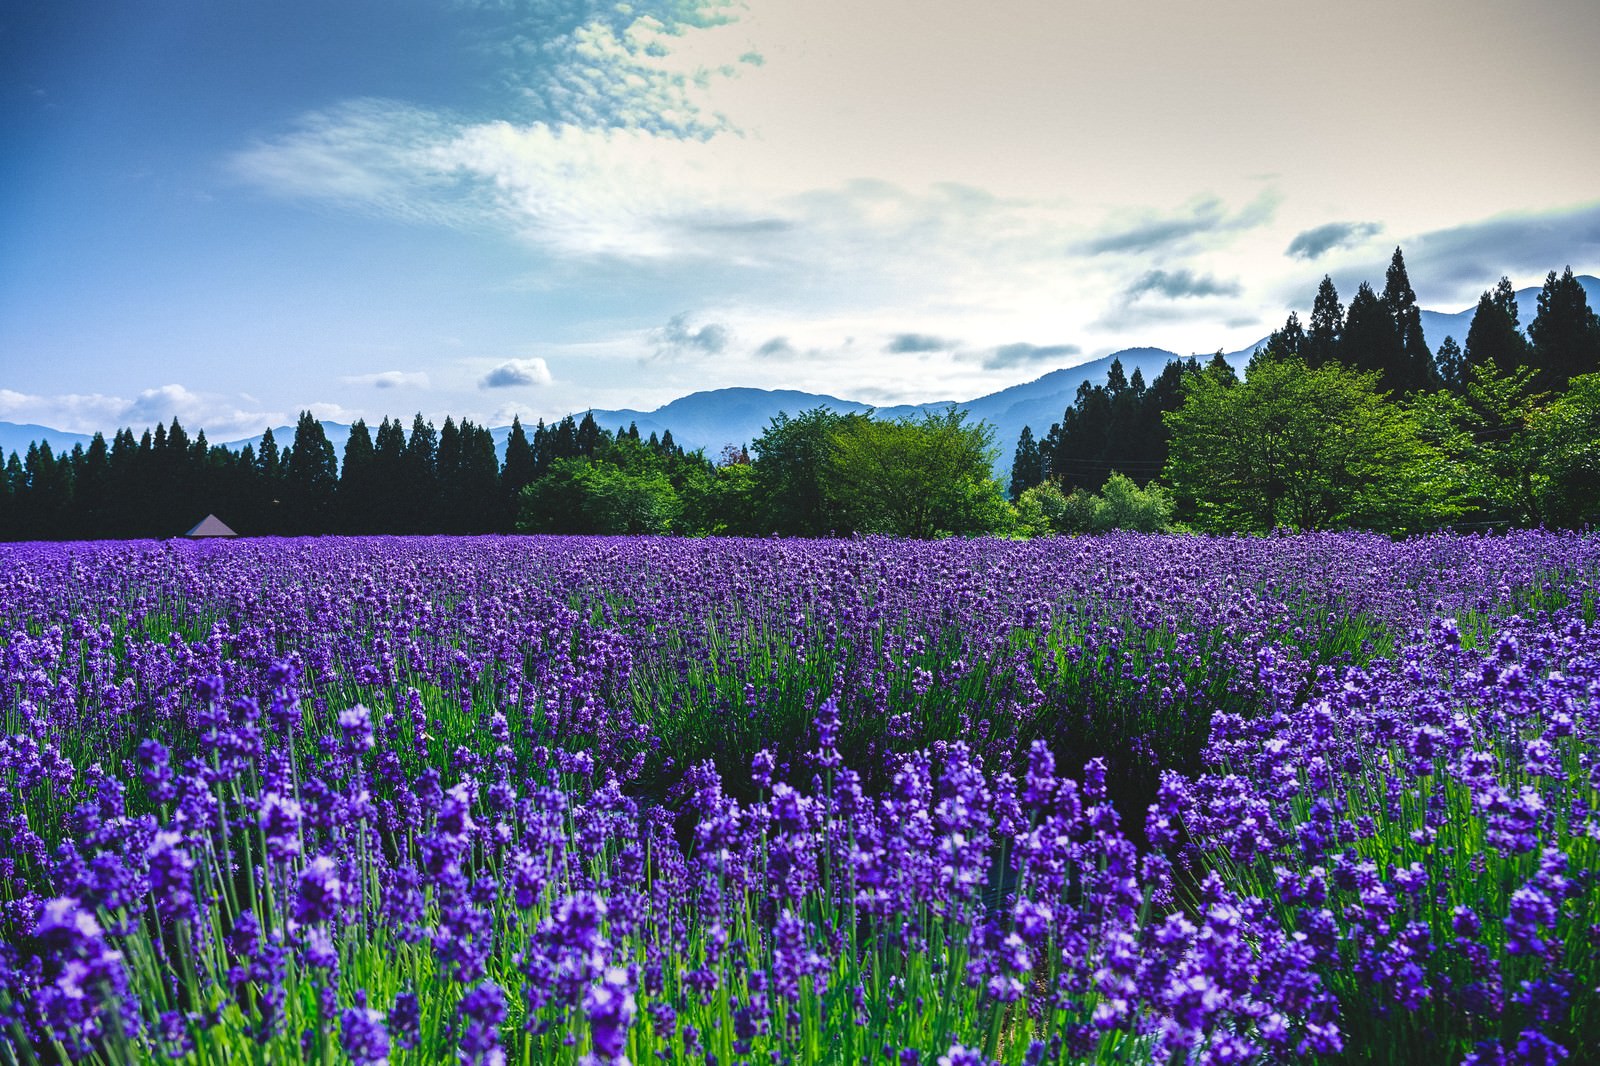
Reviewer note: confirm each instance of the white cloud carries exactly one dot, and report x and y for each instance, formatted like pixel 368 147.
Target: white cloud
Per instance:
pixel 221 418
pixel 515 373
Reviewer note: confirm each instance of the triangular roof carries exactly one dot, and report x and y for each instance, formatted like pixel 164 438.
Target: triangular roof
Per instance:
pixel 211 526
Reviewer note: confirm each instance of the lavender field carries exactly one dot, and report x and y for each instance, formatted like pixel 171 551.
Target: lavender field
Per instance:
pixel 1323 798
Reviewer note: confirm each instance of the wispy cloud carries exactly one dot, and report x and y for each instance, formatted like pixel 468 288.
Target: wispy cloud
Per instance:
pixel 777 348
pixel 1202 217
pixel 517 373
pixel 372 155
pixel 1320 240
pixel 390 379
pixel 907 343
pixel 1476 253
pixel 1180 284
pixel 678 338
pixel 1019 354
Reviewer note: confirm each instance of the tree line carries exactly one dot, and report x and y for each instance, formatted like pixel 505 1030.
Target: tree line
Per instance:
pixel 1348 421
pixel 819 473
pixel 428 480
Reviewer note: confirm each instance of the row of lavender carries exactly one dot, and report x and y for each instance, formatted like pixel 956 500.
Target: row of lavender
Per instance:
pixel 560 800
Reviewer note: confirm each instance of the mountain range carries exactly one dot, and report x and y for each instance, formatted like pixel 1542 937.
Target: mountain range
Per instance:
pixel 714 418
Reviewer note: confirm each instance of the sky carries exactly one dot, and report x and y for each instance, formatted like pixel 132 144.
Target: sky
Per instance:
pixel 231 210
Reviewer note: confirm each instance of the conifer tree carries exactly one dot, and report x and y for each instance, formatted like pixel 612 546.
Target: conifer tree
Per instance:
pixel 1565 333
pixel 92 487
pixel 357 480
pixel 519 471
pixel 587 438
pixel 1416 369
pixel 564 440
pixel 478 473
pixel 389 505
pixel 1327 320
pixel 311 477
pixel 1370 341
pixel 1493 339
pixel 1452 365
pixel 419 483
pixel 11 504
pixel 1026 468
pixel 449 501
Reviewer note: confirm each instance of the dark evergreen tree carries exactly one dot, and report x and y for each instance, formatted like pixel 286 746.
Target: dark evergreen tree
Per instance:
pixel 478 481
pixel 1416 370
pixel 12 481
pixel 518 472
pixel 1452 365
pixel 543 442
pixel 564 440
pixel 1565 333
pixel 1493 339
pixel 390 508
pixel 1075 449
pixel 1327 320
pixel 588 436
pixel 450 500
pixel 419 481
pixel 311 478
pixel 1223 369
pixel 93 488
pixel 358 481
pixel 1116 378
pixel 268 461
pixel 1027 468
pixel 1369 340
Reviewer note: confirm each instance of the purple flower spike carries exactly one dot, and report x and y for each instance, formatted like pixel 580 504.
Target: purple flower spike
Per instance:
pixel 321 892
pixel 610 1008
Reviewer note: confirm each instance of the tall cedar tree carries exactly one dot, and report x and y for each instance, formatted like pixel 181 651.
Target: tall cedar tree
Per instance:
pixel 1369 340
pixel 1452 365
pixel 1026 468
pixel 1565 333
pixel 1416 371
pixel 358 481
pixel 519 470
pixel 312 478
pixel 419 484
pixel 388 468
pixel 1327 319
pixel 1493 339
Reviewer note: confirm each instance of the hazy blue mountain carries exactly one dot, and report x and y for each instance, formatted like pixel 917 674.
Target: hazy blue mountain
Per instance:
pixel 16 437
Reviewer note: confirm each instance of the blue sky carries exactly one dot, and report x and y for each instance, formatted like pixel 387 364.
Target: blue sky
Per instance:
pixel 232 210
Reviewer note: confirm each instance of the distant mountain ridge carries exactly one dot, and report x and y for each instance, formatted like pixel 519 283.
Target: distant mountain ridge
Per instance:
pixel 713 418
